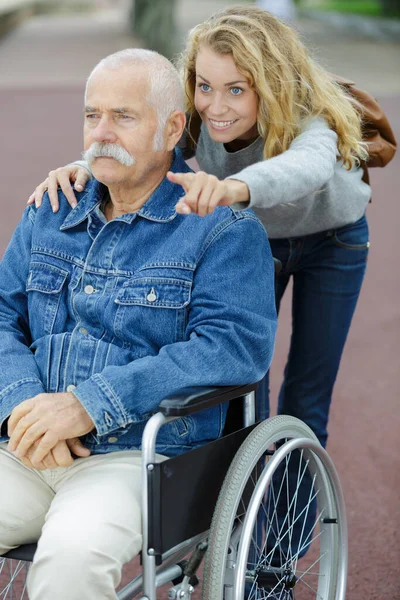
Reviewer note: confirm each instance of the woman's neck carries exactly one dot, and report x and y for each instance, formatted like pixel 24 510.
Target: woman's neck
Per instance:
pixel 239 144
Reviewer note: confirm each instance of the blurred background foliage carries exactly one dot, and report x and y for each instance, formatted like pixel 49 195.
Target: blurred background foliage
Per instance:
pixel 154 21
pixel 387 8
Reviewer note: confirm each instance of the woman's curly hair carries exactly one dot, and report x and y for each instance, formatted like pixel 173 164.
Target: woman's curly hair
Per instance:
pixel 290 85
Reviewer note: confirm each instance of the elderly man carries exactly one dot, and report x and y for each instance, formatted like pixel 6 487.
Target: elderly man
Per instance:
pixel 104 310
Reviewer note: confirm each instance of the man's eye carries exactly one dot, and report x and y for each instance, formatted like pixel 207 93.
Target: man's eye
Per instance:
pixel 89 117
pixel 204 87
pixel 236 91
pixel 125 117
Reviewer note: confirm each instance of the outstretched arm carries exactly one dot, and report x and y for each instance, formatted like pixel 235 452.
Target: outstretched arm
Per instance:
pixel 299 171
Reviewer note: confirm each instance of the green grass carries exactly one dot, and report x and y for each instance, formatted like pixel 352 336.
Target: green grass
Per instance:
pixel 360 7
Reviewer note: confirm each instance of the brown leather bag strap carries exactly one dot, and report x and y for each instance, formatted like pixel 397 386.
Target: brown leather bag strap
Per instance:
pixel 376 128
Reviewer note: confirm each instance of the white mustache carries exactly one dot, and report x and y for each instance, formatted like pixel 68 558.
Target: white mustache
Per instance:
pixel 110 151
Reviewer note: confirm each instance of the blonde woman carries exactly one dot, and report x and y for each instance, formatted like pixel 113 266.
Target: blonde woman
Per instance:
pixel 272 131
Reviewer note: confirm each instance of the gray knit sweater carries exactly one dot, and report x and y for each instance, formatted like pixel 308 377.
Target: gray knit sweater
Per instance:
pixel 302 191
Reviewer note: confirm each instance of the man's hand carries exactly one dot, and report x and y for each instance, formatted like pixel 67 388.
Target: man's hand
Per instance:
pixel 205 192
pixel 46 419
pixel 59 456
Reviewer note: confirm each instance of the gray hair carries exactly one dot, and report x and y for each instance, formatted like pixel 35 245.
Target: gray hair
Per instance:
pixel 165 94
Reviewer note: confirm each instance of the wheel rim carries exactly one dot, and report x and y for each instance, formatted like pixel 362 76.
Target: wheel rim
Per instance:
pixel 230 511
pixel 313 576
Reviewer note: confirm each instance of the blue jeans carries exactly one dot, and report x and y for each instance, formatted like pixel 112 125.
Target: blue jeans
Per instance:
pixel 327 269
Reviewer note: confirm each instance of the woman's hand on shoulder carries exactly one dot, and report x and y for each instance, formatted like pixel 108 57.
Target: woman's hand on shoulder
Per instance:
pixel 62 177
pixel 203 192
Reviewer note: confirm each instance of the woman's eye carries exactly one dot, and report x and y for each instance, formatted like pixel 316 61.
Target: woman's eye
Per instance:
pixel 204 87
pixel 236 91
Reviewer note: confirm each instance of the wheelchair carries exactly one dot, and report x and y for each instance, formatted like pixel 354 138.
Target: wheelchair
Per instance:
pixel 218 504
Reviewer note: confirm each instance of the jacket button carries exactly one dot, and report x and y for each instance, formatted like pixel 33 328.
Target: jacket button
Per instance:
pixel 151 296
pixel 83 331
pixel 89 289
pixel 71 388
pixel 112 440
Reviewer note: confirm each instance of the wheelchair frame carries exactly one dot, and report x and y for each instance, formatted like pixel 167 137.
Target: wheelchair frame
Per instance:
pixel 160 559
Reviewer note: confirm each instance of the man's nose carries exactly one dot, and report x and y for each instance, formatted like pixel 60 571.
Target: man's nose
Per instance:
pixel 104 132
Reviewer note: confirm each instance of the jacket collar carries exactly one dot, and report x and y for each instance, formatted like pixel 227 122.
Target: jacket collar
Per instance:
pixel 159 207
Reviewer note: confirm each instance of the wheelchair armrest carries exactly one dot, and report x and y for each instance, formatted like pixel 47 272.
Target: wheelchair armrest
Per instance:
pixel 193 399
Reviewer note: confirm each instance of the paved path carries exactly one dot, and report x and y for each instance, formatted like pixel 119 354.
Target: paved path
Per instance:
pixel 43 67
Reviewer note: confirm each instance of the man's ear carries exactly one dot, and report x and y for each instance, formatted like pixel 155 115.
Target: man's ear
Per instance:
pixel 174 129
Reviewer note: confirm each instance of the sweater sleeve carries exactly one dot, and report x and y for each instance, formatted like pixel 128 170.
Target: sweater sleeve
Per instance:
pixel 84 164
pixel 300 171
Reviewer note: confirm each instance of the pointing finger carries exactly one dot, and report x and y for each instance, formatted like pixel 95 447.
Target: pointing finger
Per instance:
pixel 183 179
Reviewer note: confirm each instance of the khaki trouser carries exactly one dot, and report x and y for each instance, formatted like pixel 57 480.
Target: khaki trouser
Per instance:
pixel 87 516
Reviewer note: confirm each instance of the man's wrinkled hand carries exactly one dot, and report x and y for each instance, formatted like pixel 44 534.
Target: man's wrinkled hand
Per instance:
pixel 59 456
pixel 46 419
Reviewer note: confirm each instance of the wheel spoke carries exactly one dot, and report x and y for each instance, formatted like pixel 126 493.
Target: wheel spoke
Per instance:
pixel 278 523
pixel 280 538
pixel 295 497
pixel 311 566
pixel 16 579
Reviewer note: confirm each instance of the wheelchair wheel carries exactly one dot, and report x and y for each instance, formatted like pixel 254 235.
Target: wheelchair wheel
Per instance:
pixel 279 528
pixel 13 574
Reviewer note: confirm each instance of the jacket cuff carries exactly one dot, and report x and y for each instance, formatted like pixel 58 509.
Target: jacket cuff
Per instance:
pixel 13 395
pixel 102 405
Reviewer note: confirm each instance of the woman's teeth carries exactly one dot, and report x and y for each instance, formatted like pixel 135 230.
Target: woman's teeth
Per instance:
pixel 221 124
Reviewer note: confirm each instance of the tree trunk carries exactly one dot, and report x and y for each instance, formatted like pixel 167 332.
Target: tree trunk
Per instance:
pixel 391 7
pixel 153 21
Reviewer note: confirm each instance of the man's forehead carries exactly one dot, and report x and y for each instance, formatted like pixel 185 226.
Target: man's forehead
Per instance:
pixel 122 82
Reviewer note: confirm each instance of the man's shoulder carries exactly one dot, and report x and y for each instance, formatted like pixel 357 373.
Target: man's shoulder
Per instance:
pixel 225 219
pixel 45 214
pixel 223 213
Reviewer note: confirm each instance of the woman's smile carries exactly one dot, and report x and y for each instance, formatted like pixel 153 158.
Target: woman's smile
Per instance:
pixel 221 125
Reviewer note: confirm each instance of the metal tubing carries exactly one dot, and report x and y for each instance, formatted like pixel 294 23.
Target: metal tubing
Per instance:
pixel 165 576
pixel 249 409
pixel 148 458
pixel 170 557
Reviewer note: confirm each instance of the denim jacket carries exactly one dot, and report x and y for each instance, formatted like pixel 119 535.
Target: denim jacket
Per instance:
pixel 126 312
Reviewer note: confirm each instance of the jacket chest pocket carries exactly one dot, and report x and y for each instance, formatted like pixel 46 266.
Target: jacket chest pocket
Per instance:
pixel 152 310
pixel 45 287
